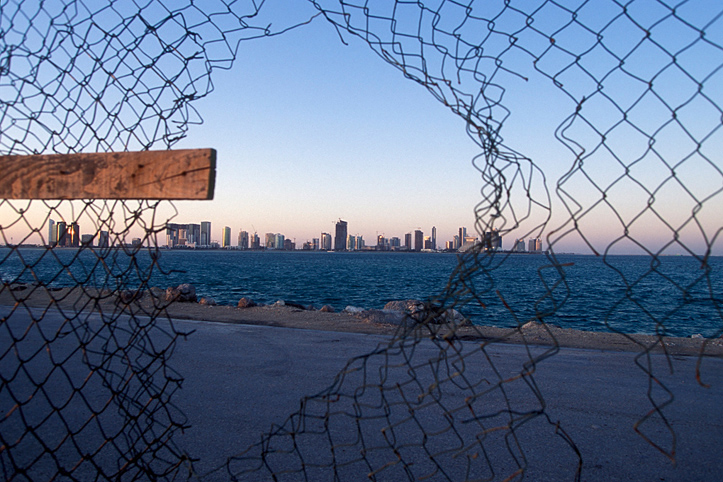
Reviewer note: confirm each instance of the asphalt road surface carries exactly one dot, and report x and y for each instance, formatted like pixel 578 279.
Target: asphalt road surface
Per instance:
pixel 409 410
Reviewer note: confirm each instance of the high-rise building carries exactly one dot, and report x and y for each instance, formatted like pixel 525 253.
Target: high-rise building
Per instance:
pixel 226 238
pixel 534 245
pixel 434 238
pixel 340 236
pixel 519 246
pixel 427 242
pixel 103 239
pixel 74 233
pixel 326 241
pixel 61 233
pixel 254 241
pixel 270 241
pixel 455 242
pixel 315 246
pixel 279 241
pixel 193 234
pixel 359 243
pixel 408 241
pixel 418 240
pixel 350 243
pixel 462 234
pixel 52 233
pixel 492 241
pixel 86 240
pixel 394 242
pixel 381 243
pixel 243 240
pixel 205 233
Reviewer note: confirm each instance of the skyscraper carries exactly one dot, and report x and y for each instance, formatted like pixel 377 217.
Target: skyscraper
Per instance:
pixel 492 240
pixel 340 237
pixel 434 238
pixel 243 240
pixel 534 245
pixel 254 241
pixel 326 241
pixel 462 234
pixel 226 238
pixel 205 233
pixel 279 241
pixel 61 234
pixel 418 240
pixel 408 241
pixel 52 233
pixel 103 240
pixel 193 234
pixel 270 240
pixel 74 233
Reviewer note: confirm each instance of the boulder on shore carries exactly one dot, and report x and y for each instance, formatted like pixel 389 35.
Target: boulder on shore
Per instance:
pixel 420 311
pixel 185 292
pixel 353 310
pixel 207 302
pixel 327 309
pixel 382 317
pixel 246 303
pixel 406 306
pixel 127 296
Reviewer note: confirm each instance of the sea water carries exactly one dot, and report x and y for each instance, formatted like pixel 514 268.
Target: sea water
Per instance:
pixel 672 295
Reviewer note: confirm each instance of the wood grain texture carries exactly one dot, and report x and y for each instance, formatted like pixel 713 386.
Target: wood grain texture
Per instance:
pixel 174 174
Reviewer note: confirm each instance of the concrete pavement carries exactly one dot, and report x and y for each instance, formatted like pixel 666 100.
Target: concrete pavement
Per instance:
pixel 242 380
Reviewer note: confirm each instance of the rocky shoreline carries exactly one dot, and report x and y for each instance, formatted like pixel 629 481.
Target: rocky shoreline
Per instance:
pixel 411 317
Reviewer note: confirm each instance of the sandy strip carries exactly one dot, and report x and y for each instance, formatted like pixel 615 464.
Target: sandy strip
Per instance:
pixel 292 317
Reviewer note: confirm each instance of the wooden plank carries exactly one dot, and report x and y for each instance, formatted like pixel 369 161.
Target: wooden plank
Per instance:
pixel 174 174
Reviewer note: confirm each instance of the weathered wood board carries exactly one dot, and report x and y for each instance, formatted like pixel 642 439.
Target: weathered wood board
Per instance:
pixel 172 174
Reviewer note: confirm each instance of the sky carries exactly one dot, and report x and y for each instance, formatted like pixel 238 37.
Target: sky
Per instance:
pixel 309 130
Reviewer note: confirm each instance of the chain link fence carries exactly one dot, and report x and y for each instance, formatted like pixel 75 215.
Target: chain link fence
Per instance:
pixel 640 85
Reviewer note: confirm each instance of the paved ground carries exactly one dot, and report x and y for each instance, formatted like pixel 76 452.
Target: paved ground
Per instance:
pixel 241 379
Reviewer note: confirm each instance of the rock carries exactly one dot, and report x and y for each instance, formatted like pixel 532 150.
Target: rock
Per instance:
pixel 697 336
pixel 383 317
pixel 246 303
pixel 531 325
pixel 207 301
pixel 157 292
pixel 278 304
pixel 296 305
pixel 184 292
pixel 407 306
pixel 187 292
pixel 452 316
pixel 171 294
pixel 18 287
pixel 327 309
pixel 127 296
pixel 353 309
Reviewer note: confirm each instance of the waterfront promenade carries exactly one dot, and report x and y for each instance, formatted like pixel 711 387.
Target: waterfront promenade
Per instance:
pixel 240 379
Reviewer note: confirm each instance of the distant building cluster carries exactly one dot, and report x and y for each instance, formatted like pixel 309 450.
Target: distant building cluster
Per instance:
pixel 68 235
pixel 198 236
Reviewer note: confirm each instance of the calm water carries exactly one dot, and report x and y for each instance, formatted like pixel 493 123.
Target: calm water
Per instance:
pixel 626 293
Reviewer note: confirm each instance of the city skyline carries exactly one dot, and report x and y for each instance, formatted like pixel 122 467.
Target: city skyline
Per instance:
pixel 180 235
pixel 307 126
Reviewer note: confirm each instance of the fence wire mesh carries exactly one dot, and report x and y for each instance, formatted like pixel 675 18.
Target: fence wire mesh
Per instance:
pixel 641 85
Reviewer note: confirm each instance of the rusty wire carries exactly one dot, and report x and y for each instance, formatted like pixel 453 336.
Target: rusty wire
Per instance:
pixel 125 75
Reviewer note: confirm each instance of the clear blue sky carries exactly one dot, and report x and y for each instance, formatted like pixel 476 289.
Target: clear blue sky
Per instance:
pixel 309 130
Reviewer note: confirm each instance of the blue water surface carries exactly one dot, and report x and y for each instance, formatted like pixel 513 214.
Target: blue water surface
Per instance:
pixel 673 295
